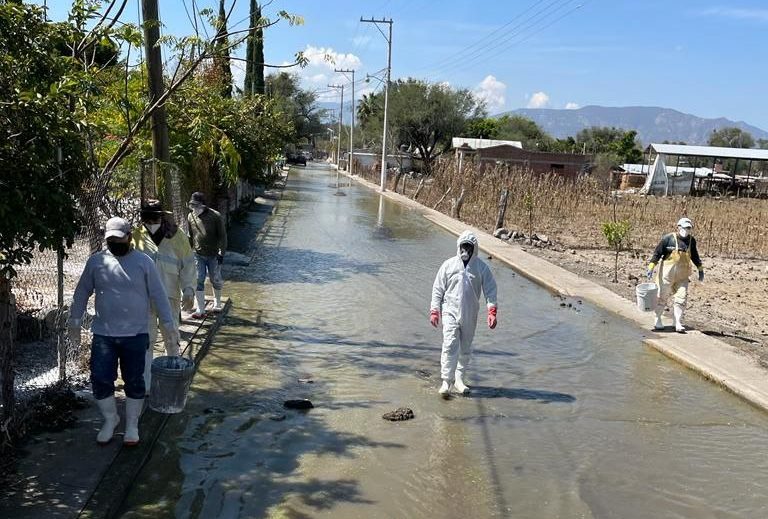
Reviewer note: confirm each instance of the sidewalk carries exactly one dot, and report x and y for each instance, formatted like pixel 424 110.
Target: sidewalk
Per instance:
pixel 58 473
pixel 66 474
pixel 710 357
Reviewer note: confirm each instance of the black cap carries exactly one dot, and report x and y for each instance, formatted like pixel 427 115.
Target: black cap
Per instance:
pixel 197 198
pixel 151 209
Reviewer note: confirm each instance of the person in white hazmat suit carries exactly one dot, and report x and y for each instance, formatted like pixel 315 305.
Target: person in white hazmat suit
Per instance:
pixel 456 297
pixel 161 239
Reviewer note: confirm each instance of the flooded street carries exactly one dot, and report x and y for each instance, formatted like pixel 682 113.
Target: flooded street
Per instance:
pixel 570 415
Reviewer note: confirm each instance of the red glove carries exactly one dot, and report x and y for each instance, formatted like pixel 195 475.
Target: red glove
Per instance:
pixel 434 318
pixel 492 317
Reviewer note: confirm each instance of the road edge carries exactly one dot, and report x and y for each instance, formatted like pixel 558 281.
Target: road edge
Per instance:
pixel 711 358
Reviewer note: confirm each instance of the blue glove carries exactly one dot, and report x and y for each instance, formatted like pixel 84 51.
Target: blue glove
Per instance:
pixel 701 275
pixel 649 274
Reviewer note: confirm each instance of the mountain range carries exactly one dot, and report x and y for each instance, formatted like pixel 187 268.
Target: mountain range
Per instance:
pixel 653 124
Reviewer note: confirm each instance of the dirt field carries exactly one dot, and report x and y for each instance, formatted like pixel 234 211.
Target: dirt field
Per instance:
pixel 732 302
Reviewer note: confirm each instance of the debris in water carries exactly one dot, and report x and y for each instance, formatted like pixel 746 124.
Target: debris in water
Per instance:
pixel 306 381
pixel 424 373
pixel 298 404
pixel 277 417
pixel 400 414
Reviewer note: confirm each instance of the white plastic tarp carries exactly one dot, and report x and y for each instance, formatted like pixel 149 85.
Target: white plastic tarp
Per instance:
pixel 667 180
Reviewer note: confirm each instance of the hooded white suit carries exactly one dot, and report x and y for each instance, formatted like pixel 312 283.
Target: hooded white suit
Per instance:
pixel 456 293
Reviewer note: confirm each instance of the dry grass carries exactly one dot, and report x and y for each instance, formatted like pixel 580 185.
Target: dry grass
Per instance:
pixel 572 212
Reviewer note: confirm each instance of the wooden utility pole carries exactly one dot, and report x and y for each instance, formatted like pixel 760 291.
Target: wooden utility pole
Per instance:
pixel 160 144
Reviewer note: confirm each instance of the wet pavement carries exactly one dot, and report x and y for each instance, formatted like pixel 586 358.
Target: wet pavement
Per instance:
pixel 570 416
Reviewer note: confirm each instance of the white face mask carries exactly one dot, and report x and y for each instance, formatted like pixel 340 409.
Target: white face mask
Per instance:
pixel 464 255
pixel 152 227
pixel 684 232
pixel 198 210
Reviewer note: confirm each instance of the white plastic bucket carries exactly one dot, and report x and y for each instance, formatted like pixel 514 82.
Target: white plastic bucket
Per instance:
pixel 171 377
pixel 647 293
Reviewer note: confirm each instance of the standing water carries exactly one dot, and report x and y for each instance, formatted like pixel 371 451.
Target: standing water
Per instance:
pixel 570 416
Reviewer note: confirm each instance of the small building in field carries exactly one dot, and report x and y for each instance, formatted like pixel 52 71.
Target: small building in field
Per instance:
pixel 568 165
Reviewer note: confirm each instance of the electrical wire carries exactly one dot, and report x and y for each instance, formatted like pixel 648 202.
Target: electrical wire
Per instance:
pixel 530 22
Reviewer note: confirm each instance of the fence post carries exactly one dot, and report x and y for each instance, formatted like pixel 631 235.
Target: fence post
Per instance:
pixel 502 209
pixel 7 325
pixel 61 345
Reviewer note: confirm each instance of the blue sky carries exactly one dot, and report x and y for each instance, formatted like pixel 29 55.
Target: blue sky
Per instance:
pixel 705 58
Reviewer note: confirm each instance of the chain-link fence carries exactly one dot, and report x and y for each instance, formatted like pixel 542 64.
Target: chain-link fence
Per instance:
pixel 42 355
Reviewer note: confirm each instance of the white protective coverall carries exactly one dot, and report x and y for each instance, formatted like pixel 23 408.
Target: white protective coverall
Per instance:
pixel 456 293
pixel 176 264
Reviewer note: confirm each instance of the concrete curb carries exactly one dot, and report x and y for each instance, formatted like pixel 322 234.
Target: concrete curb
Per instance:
pixel 713 359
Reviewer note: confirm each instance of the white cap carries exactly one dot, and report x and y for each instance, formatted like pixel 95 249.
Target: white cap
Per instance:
pixel 117 228
pixel 686 223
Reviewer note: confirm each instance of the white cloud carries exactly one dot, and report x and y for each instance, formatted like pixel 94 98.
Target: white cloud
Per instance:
pixel 328 58
pixel 572 106
pixel 538 100
pixel 319 71
pixel 758 15
pixel 492 92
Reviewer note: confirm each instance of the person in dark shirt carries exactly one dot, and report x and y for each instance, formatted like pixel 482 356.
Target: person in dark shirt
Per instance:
pixel 674 255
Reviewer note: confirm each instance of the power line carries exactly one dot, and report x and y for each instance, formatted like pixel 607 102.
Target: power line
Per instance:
pixel 528 23
pixel 468 48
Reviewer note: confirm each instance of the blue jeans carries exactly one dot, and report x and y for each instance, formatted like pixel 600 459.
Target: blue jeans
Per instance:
pixel 130 352
pixel 209 265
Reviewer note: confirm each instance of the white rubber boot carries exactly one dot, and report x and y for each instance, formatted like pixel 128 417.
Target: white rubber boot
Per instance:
pixel 217 307
pixel 679 311
pixel 459 385
pixel 659 324
pixel 445 388
pixel 148 369
pixel 133 408
pixel 199 312
pixel 108 409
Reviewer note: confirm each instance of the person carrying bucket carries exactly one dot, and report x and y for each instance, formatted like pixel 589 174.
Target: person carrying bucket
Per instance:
pixel 160 238
pixel 674 255
pixel 125 283
pixel 456 297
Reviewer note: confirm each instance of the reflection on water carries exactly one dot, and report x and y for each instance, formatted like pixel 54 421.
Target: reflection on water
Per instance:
pixel 570 415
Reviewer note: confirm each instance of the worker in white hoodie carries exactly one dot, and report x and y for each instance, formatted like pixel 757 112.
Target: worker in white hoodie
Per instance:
pixel 456 297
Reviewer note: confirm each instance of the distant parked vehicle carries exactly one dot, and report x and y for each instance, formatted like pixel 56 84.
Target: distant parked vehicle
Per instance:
pixel 297 159
pixel 307 155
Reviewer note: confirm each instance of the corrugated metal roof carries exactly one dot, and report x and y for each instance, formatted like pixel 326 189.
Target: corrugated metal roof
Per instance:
pixel 711 151
pixel 457 142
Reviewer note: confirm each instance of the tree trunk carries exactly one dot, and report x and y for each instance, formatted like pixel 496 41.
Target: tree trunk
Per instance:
pixel 7 328
pixel 502 209
pixel 616 268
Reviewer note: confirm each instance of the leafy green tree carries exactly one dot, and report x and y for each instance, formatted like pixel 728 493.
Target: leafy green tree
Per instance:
pixel 482 128
pixel 616 234
pixel 518 128
pixel 298 104
pixel 615 141
pixel 254 70
pixel 425 116
pixel 731 137
pixel 42 150
pixel 221 58
pixel 762 144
